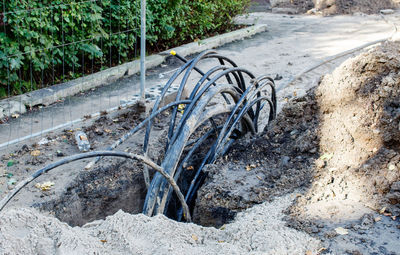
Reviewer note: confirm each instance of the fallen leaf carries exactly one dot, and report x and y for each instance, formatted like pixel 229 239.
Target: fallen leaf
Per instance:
pixel 387 214
pixel 221 241
pixel 44 141
pixel 181 108
pixel 309 253
pixel 321 250
pixel 12 181
pixel 190 168
pixel 249 167
pixel 83 138
pixel 382 210
pixel 326 156
pixel 107 130
pixel 103 241
pixel 259 177
pixel 194 237
pixel 46 186
pixel 35 153
pixel 378 219
pixel 341 231
pixel 393 217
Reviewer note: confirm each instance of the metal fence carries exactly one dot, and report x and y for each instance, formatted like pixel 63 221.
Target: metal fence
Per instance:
pixel 44 43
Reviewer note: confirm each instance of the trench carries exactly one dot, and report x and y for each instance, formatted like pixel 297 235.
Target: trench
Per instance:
pixel 118 184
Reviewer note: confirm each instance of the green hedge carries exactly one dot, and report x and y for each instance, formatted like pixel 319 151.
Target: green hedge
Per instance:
pixel 33 32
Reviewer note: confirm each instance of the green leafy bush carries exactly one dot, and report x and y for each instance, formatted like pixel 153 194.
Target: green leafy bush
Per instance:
pixel 44 42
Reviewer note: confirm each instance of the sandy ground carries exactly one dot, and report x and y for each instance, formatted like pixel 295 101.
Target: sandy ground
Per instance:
pixel 292 44
pixel 260 230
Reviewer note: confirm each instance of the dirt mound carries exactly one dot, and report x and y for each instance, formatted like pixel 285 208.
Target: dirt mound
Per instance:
pixel 359 131
pixel 26 231
pixel 333 7
pixel 339 144
pixel 359 134
pixel 260 169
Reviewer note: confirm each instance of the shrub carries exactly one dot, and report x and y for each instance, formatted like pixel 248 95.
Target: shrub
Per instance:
pixel 44 42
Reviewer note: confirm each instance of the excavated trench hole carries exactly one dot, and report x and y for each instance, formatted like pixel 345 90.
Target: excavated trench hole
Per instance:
pixel 99 193
pixel 102 192
pixel 115 185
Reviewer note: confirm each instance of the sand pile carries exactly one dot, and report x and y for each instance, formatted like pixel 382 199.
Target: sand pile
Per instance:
pixel 359 132
pixel 259 230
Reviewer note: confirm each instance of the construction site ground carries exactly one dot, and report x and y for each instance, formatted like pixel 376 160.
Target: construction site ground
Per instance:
pixel 277 191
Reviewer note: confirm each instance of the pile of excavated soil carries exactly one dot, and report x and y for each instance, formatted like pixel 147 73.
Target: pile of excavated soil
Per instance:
pixel 359 134
pixel 339 145
pixel 256 170
pixel 260 230
pixel 333 7
pixel 356 183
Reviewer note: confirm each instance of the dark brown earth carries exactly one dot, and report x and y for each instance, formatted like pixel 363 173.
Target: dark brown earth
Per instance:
pixel 257 170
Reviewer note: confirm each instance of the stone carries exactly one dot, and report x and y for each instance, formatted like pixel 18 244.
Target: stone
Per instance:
pixel 284 10
pixel 275 3
pixel 8 108
pixel 395 187
pixel 387 11
pixel 285 161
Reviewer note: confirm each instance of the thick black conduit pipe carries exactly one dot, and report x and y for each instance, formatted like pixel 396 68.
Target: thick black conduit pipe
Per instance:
pixel 243 111
pixel 189 108
pixel 192 150
pixel 76 157
pixel 164 189
pixel 162 95
pixel 215 151
pixel 201 56
pixel 241 83
pixel 188 72
pixel 252 91
pixel 194 62
pixel 195 183
pixel 214 55
pixel 174 152
pixel 160 98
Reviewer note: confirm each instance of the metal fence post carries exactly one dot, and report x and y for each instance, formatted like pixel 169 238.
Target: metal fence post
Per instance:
pixel 142 49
